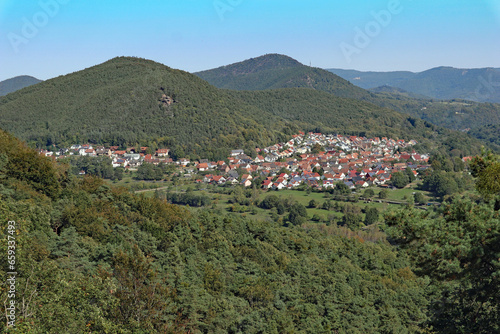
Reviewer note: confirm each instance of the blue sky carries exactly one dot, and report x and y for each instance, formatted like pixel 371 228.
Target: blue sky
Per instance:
pixel 47 38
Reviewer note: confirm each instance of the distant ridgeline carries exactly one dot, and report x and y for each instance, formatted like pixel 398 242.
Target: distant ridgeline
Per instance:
pixel 480 84
pixel 132 101
pixel 16 83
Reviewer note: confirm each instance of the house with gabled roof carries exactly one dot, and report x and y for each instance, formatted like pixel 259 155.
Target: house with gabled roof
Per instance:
pixel 183 161
pixel 328 176
pixel 223 168
pixel 246 183
pixel 218 179
pixel 202 167
pixel 103 152
pixel 162 152
pixel 235 153
pixel 119 163
pixel 350 184
pixel 328 184
pixel 278 186
pixel 246 177
pixel 267 184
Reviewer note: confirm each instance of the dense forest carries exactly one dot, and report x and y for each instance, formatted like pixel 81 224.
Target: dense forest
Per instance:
pixel 94 258
pixel 490 133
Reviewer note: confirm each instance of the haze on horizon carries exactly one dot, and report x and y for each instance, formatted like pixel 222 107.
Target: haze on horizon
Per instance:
pixel 47 38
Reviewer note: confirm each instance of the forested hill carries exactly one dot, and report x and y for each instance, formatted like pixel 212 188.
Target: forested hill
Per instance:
pixel 131 101
pixel 96 259
pixel 278 71
pixel 16 83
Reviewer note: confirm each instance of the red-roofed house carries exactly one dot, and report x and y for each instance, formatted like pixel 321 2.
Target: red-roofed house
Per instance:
pixel 267 184
pixel 202 167
pixel 162 152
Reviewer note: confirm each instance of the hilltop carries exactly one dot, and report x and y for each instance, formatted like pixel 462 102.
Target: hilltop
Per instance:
pixel 273 71
pixel 16 83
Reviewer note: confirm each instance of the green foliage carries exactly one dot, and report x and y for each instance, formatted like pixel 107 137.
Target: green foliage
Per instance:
pixel 487 169
pixel 399 180
pixel 144 301
pixel 117 174
pixel 383 194
pixel 96 166
pixel 369 193
pixel 25 165
pixel 442 183
pixel 317 148
pixel 297 214
pixel 277 71
pixel 352 216
pixel 149 172
pixel 488 133
pixel 371 216
pixel 190 199
pixel 327 205
pixel 351 220
pixel 409 173
pixel 269 202
pixel 312 204
pixel 419 198
pixel 341 189
pixel 458 249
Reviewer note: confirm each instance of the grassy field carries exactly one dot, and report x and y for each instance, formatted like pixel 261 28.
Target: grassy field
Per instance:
pixel 221 202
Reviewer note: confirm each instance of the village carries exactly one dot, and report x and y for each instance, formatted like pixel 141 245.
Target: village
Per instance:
pixel 314 159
